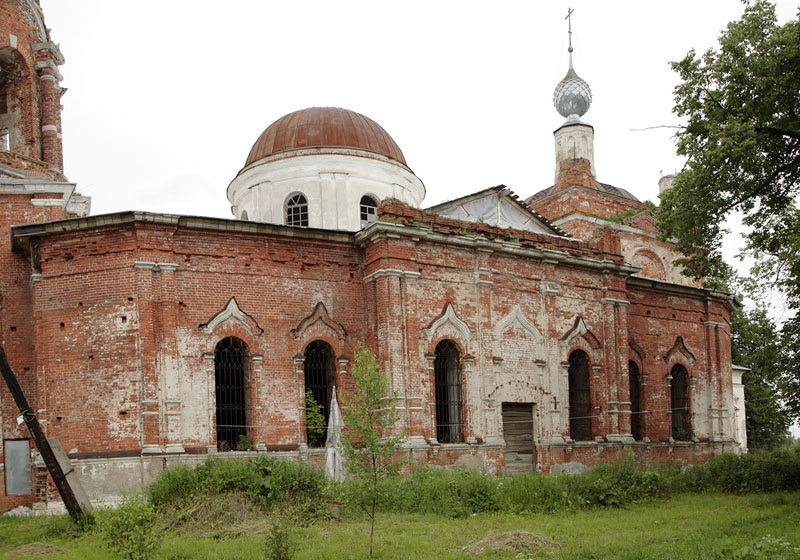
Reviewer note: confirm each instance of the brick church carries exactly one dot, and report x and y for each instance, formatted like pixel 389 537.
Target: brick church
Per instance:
pixel 546 333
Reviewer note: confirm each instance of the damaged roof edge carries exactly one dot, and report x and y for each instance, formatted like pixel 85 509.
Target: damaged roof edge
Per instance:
pixel 20 234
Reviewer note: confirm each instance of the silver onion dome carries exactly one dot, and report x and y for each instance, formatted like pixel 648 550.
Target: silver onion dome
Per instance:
pixel 572 96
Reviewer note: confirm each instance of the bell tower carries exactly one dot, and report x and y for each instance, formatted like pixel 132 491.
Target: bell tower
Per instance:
pixel 30 93
pixel 574 139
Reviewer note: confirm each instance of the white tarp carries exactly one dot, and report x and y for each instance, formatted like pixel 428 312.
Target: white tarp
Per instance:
pixel 334 460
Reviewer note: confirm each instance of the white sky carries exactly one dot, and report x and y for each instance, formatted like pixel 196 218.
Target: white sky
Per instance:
pixel 166 97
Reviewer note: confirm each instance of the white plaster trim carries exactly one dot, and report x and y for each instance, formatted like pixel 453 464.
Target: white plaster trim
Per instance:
pixel 167 267
pixel 144 265
pixel 516 316
pixel 49 128
pixel 28 186
pixel 615 301
pixel 231 312
pixel 13 172
pixel 714 324
pixel 48 77
pixel 390 272
pixel 47 202
pixel 449 317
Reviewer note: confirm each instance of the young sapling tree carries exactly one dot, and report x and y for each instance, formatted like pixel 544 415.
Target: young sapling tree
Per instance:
pixel 369 441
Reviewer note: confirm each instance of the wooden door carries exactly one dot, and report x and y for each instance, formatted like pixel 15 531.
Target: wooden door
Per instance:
pixel 518 433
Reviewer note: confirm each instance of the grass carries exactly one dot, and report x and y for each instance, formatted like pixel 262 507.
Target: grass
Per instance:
pixel 707 525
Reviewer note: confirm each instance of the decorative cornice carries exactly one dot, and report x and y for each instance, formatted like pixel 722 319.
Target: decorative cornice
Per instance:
pixel 381 228
pixel 119 219
pixel 730 302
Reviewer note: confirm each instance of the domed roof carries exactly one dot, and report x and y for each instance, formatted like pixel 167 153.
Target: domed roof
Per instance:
pixel 572 96
pixel 324 127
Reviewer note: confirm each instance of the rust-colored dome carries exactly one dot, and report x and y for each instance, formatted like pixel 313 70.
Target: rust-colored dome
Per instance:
pixel 324 127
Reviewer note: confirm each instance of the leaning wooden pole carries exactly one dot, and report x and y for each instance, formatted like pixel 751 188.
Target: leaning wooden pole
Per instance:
pixel 57 474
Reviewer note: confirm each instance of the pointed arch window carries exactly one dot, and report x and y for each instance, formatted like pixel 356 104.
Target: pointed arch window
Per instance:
pixel 231 380
pixel 319 367
pixel 635 381
pixel 679 396
pixel 580 397
pixel 448 383
pixel 368 210
pixel 297 210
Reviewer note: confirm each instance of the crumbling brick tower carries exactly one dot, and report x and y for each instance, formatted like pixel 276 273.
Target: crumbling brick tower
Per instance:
pixel 32 189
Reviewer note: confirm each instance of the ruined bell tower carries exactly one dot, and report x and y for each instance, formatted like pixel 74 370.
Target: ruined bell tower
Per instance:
pixel 30 93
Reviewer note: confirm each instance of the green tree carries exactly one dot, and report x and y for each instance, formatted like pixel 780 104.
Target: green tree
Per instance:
pixel 756 344
pixel 369 442
pixel 742 144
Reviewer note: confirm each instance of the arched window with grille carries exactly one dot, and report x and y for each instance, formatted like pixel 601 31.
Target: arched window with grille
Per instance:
pixel 319 368
pixel 635 382
pixel 231 384
pixel 580 397
pixel 297 210
pixel 368 209
pixel 448 383
pixel 679 395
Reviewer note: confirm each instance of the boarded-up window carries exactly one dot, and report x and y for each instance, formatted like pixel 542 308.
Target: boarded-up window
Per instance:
pixel 231 362
pixel 635 379
pixel 447 372
pixel 681 426
pixel 580 397
pixel 18 467
pixel 320 373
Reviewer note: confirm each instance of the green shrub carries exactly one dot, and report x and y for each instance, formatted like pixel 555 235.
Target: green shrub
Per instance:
pixel 243 444
pixel 265 480
pixel 297 482
pixel 176 483
pixel 130 530
pixel 279 544
pixel 218 475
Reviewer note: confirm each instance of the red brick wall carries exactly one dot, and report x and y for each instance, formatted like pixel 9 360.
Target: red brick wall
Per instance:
pixel 16 316
pixel 125 329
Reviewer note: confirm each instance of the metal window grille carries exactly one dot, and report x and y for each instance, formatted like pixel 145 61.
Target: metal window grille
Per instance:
pixel 369 210
pixel 681 426
pixel 447 374
pixel 580 397
pixel 297 211
pixel 231 377
pixel 320 375
pixel 635 381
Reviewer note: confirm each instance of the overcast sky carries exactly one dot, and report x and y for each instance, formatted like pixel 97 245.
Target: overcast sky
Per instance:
pixel 166 97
